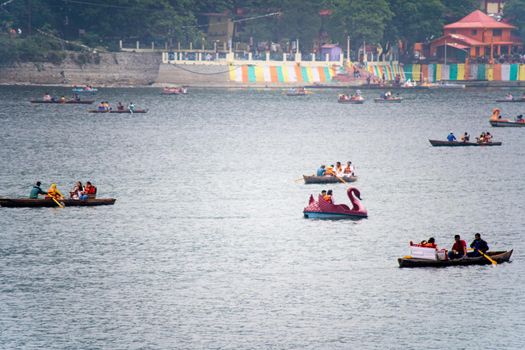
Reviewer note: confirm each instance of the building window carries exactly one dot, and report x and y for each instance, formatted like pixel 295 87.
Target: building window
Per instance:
pixel 474 32
pixel 477 51
pixel 496 32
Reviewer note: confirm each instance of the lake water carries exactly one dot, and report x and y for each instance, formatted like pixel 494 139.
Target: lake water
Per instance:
pixel 207 247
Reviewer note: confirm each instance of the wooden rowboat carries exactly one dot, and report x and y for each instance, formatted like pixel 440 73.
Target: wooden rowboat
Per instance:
pixel 85 102
pixel 439 143
pixel 48 202
pixel 513 100
pixel 388 100
pixel 498 256
pixel 117 111
pixel 312 179
pixel 355 102
pixel 507 123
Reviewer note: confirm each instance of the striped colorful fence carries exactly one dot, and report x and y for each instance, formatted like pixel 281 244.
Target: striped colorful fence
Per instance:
pixel 280 74
pixel 460 71
pixel 389 70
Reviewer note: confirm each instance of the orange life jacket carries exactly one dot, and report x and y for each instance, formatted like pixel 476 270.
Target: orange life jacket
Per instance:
pixel 329 171
pixel 327 198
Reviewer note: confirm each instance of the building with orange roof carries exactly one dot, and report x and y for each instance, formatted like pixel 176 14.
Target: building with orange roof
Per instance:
pixel 475 35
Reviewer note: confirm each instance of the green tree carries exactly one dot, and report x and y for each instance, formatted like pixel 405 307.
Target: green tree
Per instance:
pixel 514 11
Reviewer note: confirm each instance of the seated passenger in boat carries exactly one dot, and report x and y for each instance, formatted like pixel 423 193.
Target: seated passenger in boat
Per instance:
pixel 36 190
pixel 53 192
pixel 478 245
pixel 488 137
pixel 431 243
pixel 321 171
pixel 451 137
pixel 481 138
pixel 330 171
pixel 76 97
pixel 519 118
pixel 101 106
pixel 338 169
pixel 77 191
pixel 90 190
pixel 62 99
pixel 328 197
pixel 131 107
pixel 465 137
pixel 509 97
pixel 459 249
pixel 349 169
pixel 47 97
pixel 120 106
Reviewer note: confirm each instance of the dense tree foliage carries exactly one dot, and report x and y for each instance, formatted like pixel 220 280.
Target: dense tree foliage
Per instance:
pixel 515 12
pixel 100 23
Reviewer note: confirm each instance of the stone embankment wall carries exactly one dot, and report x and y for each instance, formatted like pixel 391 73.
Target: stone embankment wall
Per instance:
pixel 194 75
pixel 111 69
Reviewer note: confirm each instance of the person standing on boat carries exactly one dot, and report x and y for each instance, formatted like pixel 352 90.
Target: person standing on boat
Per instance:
pixel 451 137
pixel 321 171
pixel 36 190
pixel 459 249
pixel 478 245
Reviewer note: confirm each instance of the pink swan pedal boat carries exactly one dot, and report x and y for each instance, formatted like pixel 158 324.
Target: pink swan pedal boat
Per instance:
pixel 322 209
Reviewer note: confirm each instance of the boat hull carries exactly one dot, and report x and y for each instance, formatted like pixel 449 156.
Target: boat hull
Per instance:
pixel 387 100
pixel 512 101
pixel 509 124
pixel 42 203
pixel 353 102
pixel 499 257
pixel 116 111
pixel 332 216
pixel 311 179
pixel 69 102
pixel 439 143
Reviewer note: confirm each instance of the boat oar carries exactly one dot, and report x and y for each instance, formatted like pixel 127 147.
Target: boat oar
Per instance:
pixel 487 257
pixel 300 179
pixel 57 202
pixel 341 179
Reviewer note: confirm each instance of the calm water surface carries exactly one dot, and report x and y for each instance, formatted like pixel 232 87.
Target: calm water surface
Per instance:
pixel 206 246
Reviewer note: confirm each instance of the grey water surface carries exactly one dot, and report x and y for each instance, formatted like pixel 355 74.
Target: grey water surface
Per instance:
pixel 207 248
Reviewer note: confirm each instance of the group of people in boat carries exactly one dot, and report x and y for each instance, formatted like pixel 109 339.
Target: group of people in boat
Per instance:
pixel 459 247
pixel 85 88
pixel 354 97
pixel 484 137
pixel 104 106
pixel 79 191
pixel 496 116
pixel 509 97
pixel 387 95
pixel 337 170
pixel 48 98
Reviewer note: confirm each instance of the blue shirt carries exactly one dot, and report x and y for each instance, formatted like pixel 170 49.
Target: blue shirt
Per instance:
pixel 320 172
pixel 35 191
pixel 451 137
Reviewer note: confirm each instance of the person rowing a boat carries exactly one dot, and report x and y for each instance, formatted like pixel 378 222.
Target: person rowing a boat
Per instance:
pixel 321 171
pixel 330 171
pixel 36 190
pixel 478 245
pixel 451 137
pixel 465 137
pixel 53 192
pixel 459 249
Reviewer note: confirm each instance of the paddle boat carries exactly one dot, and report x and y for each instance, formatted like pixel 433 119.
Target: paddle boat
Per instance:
pixel 175 90
pixel 327 179
pixel 497 121
pixel 322 209
pixel 81 102
pixel 510 98
pixel 49 202
pixel 84 89
pixel 355 99
pixel 421 256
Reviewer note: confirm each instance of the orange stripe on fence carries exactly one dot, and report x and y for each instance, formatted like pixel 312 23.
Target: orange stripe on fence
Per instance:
pixel 273 74
pixel 298 73
pixel 244 74
pixel 424 71
pixel 322 76
pixel 497 72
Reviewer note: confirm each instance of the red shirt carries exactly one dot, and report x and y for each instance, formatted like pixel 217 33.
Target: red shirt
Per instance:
pixel 460 246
